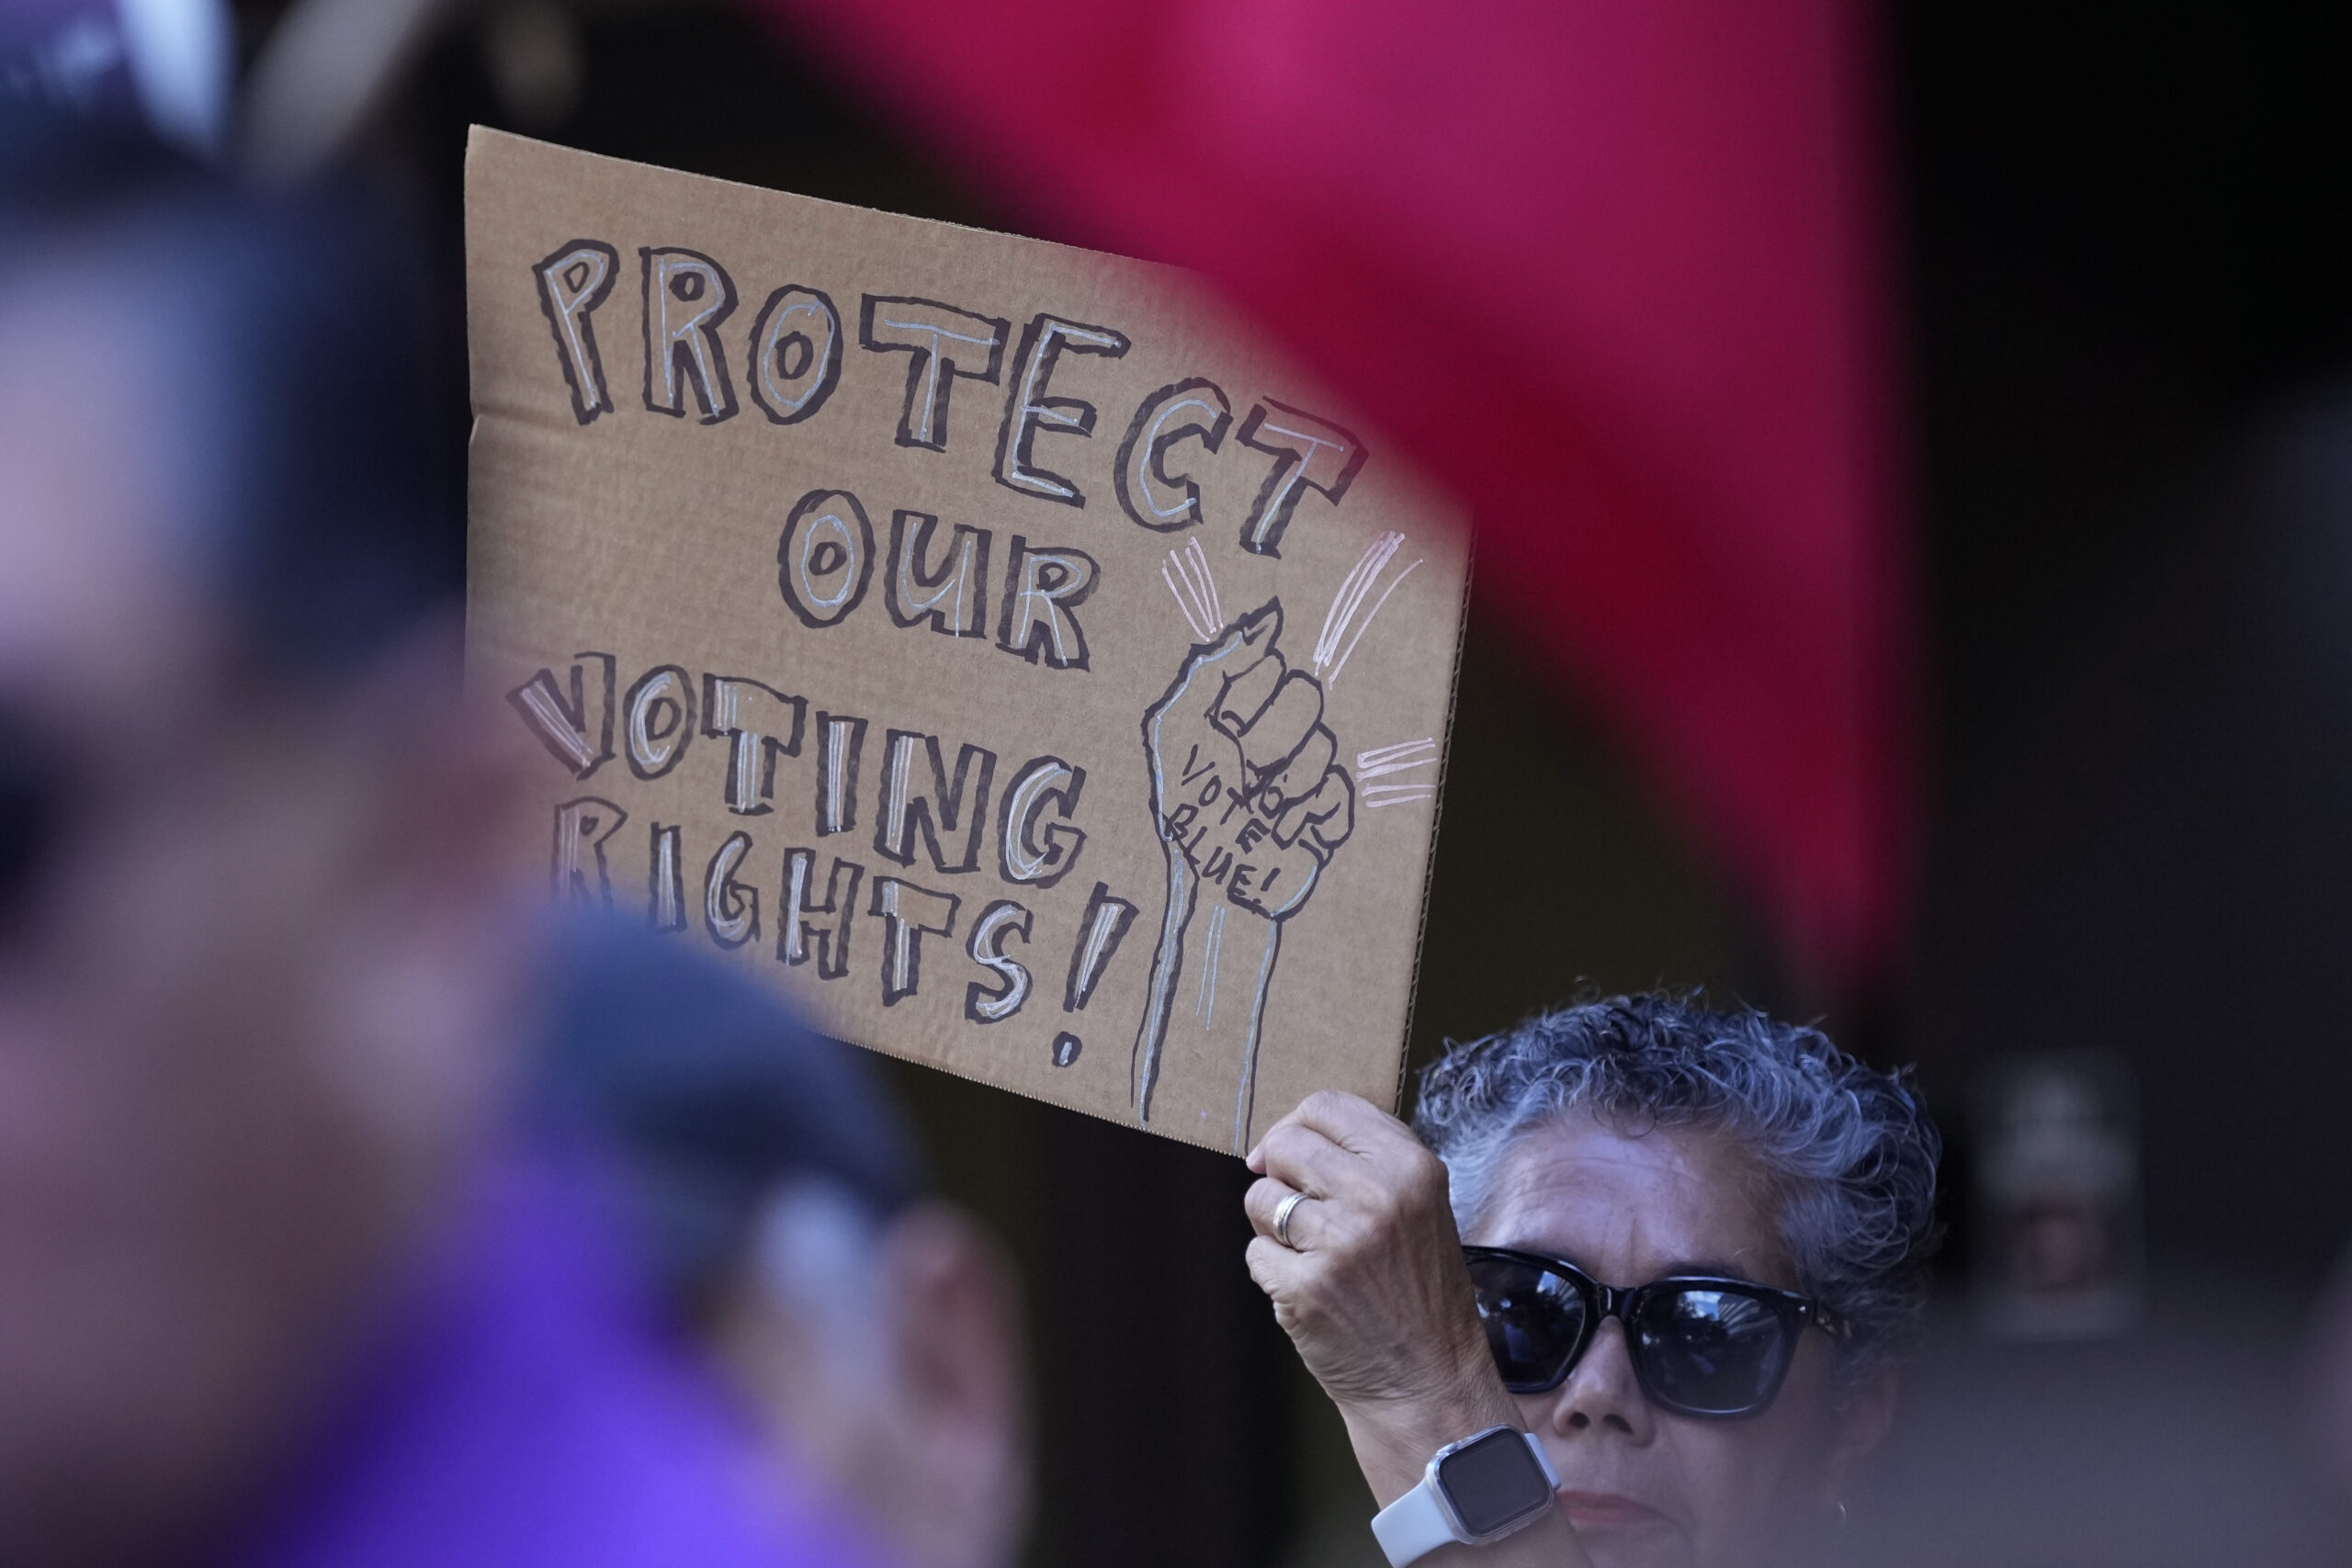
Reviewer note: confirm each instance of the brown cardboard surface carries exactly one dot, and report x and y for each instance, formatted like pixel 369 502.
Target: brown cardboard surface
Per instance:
pixel 991 644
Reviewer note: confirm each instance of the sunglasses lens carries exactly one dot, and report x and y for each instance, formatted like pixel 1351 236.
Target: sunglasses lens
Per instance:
pixel 1535 1317
pixel 1711 1352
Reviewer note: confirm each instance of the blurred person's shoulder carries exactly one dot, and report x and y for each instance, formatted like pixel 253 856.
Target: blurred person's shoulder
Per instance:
pixel 525 1404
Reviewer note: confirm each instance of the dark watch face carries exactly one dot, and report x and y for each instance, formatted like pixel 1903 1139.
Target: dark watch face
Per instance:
pixel 1494 1482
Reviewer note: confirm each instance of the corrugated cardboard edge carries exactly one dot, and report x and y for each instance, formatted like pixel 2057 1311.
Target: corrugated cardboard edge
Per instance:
pixel 1437 823
pixel 479 135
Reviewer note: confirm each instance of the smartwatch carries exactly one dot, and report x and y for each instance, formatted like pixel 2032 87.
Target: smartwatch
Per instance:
pixel 1476 1491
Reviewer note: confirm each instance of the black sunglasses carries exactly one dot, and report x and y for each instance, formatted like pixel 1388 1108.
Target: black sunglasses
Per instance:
pixel 1711 1347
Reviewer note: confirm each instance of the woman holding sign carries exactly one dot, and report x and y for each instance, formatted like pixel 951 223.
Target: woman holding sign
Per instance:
pixel 1695 1243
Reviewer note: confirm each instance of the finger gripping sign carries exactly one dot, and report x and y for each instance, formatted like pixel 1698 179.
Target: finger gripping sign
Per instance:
pixel 994 646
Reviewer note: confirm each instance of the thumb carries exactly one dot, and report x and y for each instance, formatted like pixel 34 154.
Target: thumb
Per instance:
pixel 1253 635
pixel 1244 644
pixel 1240 649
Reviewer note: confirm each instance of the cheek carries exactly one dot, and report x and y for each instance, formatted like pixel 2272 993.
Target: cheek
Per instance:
pixel 1759 1479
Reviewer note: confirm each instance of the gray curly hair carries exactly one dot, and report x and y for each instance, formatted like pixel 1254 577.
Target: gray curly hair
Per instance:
pixel 1851 1149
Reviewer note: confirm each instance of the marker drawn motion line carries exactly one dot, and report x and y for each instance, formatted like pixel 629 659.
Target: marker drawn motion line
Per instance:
pixel 1187 576
pixel 1329 657
pixel 1397 759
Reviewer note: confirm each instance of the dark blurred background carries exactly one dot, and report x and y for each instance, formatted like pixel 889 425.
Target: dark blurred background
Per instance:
pixel 2130 304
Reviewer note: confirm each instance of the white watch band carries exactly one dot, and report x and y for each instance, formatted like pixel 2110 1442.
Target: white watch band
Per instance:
pixel 1425 1519
pixel 1413 1526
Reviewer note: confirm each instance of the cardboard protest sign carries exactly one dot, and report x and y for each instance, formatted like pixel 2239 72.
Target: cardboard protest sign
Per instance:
pixel 986 641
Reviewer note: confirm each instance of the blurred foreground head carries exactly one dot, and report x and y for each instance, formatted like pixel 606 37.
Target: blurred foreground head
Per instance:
pixel 872 1331
pixel 257 956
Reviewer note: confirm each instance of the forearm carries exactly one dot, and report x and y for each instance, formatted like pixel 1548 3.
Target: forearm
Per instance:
pixel 1197 1049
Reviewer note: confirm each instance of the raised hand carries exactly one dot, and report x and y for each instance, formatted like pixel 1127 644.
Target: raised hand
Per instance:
pixel 1366 1278
pixel 1250 803
pixel 1245 778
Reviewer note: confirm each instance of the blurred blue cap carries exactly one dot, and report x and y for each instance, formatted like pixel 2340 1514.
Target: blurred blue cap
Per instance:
pixel 711 1092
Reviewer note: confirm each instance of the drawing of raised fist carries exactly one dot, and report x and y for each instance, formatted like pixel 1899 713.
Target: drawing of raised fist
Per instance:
pixel 1251 803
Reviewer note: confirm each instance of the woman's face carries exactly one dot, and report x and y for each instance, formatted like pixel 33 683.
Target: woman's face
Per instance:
pixel 1645 1488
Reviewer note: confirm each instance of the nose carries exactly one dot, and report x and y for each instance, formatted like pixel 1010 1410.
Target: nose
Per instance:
pixel 1601 1393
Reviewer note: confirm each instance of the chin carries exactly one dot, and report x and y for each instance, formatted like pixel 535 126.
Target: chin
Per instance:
pixel 1642 1549
pixel 1627 1537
